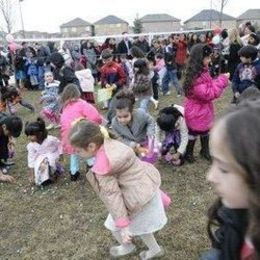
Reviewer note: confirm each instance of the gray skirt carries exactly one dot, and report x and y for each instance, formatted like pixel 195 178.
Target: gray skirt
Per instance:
pixel 150 219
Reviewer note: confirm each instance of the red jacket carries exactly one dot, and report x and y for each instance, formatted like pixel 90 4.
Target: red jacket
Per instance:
pixel 181 53
pixel 112 73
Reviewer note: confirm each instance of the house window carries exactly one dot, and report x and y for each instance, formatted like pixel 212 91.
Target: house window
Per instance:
pixel 74 29
pixel 65 30
pixel 118 25
pixel 87 29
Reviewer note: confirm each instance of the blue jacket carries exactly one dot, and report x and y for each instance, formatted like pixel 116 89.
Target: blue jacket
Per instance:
pixel 246 75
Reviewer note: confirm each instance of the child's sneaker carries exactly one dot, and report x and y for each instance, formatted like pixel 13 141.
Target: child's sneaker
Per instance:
pixel 50 126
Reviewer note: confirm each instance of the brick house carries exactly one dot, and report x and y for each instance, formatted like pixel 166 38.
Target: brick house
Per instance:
pixel 110 25
pixel 76 28
pixel 209 18
pixel 35 35
pixel 160 23
pixel 252 15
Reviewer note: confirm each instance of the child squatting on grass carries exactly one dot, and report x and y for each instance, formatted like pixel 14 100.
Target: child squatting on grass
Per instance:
pixel 44 154
pixel 129 188
pixel 235 176
pixel 10 127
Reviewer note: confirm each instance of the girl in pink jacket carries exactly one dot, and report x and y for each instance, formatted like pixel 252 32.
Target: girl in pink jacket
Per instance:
pixel 200 91
pixel 74 108
pixel 129 188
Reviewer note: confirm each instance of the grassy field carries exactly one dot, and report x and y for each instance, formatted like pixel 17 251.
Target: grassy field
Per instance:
pixel 65 220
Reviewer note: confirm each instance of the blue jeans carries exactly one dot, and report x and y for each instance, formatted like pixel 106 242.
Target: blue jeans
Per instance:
pixel 170 76
pixel 144 102
pixel 74 164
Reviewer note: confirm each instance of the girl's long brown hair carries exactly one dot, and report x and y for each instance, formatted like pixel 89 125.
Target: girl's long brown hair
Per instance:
pixel 243 138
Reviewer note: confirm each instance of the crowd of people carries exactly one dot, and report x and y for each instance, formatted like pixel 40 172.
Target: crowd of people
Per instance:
pixel 121 148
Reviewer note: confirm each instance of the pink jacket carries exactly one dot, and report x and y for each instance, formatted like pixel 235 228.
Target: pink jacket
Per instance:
pixel 160 64
pixel 198 106
pixel 123 182
pixel 71 112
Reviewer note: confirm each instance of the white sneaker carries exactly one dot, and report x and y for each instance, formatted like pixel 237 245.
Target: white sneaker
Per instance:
pixel 50 126
pixel 149 254
pixel 122 250
pixel 156 104
pixel 57 126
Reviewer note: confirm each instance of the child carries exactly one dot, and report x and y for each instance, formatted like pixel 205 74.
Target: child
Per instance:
pixel 160 66
pixel 10 96
pixel 136 128
pixel 128 187
pixel 73 109
pixel 142 85
pixel 247 72
pixel 44 152
pixel 51 97
pixel 86 81
pixel 171 121
pixel 10 126
pixel 200 91
pixel 113 77
pixel 128 68
pixel 234 174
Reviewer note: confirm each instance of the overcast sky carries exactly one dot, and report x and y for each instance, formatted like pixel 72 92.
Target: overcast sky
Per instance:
pixel 48 15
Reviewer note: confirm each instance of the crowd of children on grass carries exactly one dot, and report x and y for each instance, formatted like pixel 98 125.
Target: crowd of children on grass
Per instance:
pixel 120 150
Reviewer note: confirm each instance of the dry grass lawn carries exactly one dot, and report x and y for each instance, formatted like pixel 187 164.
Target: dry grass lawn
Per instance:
pixel 65 220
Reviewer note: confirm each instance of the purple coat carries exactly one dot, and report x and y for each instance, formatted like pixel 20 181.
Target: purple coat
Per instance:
pixel 198 106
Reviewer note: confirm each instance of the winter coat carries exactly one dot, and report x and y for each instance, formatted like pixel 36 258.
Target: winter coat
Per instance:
pixel 141 127
pixel 245 76
pixel 123 182
pixel 198 105
pixel 181 53
pixel 71 112
pixel 86 80
pixel 142 85
pixel 113 73
pixel 50 95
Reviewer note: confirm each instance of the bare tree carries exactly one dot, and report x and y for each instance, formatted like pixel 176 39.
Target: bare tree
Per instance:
pixel 7 12
pixel 222 5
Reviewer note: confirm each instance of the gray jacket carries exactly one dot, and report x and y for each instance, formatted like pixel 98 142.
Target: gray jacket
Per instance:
pixel 141 127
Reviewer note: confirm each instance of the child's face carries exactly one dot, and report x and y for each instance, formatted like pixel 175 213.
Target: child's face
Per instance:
pixel 206 61
pixel 48 77
pixel 225 173
pixel 87 152
pixel 123 116
pixel 32 138
pixel 245 60
pixel 107 61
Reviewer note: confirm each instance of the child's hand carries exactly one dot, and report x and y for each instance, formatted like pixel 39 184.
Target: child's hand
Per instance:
pixel 126 235
pixel 141 151
pixel 237 94
pixel 227 75
pixel 176 156
pixel 6 178
pixel 107 86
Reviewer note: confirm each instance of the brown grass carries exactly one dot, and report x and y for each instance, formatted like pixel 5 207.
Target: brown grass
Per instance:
pixel 65 220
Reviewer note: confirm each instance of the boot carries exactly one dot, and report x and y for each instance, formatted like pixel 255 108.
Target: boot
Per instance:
pixel 189 151
pixel 204 152
pixel 74 177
